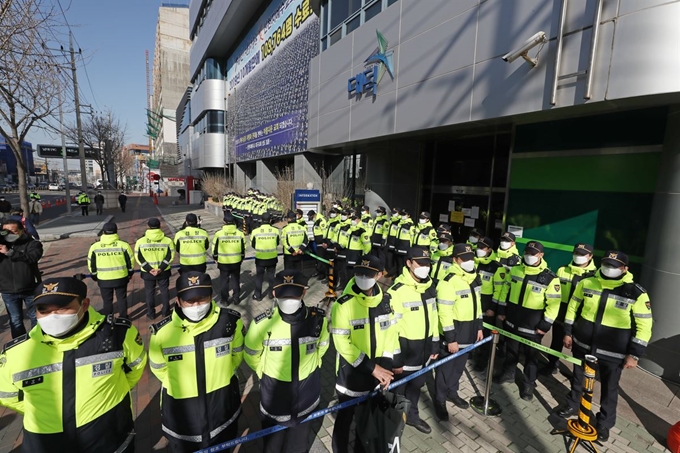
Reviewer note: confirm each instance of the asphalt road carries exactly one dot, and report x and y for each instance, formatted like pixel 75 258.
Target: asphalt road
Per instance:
pixel 51 196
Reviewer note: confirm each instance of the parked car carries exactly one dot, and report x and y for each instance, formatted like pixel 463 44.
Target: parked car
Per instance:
pixel 4 188
pixel 53 186
pixel 30 186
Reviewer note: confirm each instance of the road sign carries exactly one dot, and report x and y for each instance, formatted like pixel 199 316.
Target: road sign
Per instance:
pixel 153 164
pixel 71 152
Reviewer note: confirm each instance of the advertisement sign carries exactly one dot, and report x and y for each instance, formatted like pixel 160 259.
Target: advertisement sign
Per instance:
pixel 268 82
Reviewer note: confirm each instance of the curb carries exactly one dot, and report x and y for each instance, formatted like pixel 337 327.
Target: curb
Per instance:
pixel 80 234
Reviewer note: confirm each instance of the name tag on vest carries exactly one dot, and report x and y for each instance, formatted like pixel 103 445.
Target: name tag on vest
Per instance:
pixel 174 358
pixel 222 350
pixel 275 348
pixel 102 369
pixel 32 381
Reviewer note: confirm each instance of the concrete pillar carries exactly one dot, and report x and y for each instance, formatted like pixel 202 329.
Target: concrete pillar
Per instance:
pixel 241 179
pixel 265 179
pixel 661 268
pixel 306 167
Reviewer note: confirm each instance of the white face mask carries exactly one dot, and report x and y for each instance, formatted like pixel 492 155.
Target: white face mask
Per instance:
pixel 333 215
pixel 611 272
pixel 473 239
pixel 580 259
pixel 56 325
pixel 365 213
pixel 335 206
pixel 422 221
pixel 343 217
pixel 356 222
pixel 505 245
pixel 364 283
pixel 443 246
pixel 196 312
pixel 289 306
pixel 396 216
pixel 531 260
pixel 468 266
pixel 422 272
pixel 481 253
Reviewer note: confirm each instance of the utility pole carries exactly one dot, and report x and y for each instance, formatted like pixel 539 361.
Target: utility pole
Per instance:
pixel 63 153
pixel 79 124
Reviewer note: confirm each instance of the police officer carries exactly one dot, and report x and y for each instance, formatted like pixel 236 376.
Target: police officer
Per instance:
pixel 84 203
pixel 404 240
pixel 610 317
pixel 507 252
pixel 111 265
pixel 366 219
pixel 294 238
pixel 365 335
pixel 379 234
pixel 460 323
pixel 191 244
pixel 318 222
pixel 392 233
pixel 414 302
pixel 442 258
pixel 424 234
pixel 154 253
pixel 300 218
pixel 265 240
pixel 581 267
pixel 354 242
pixel 342 232
pixel 330 238
pixel 475 235
pixel 228 250
pixel 71 376
pixel 492 275
pixel 195 354
pixel 285 347
pixel 529 304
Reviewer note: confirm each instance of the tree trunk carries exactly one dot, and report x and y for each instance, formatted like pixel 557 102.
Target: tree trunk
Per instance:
pixel 15 145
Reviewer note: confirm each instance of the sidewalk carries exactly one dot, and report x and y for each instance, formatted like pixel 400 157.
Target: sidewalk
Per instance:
pixel 647 407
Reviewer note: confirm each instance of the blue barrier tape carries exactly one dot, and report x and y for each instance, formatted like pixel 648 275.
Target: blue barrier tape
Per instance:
pixel 322 412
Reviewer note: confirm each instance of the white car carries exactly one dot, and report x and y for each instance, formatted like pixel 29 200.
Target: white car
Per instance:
pixel 53 186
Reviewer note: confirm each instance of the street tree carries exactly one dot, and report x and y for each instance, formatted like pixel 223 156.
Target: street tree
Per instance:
pixel 30 77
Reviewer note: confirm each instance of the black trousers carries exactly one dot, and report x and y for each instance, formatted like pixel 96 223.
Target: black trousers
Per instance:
pixel 411 390
pixel 100 208
pixel 484 351
pixel 122 207
pixel 150 290
pixel 557 342
pixel 291 440
pixel 230 279
pixel 343 423
pixel 610 375
pixel 260 272
pixel 84 210
pixel 390 261
pixel 447 376
pixel 181 446
pixel 321 268
pixel 121 297
pixel 512 350
pixel 341 276
pixel 399 263
pixel 379 252
pixel 292 262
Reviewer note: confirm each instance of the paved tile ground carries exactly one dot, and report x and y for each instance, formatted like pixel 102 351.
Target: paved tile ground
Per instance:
pixel 522 427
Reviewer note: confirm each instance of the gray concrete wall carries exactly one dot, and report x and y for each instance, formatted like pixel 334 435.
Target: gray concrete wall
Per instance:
pixel 448 66
pixel 265 179
pixel 306 168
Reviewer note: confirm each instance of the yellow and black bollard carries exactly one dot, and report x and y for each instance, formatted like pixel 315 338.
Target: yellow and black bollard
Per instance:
pixel 580 428
pixel 330 294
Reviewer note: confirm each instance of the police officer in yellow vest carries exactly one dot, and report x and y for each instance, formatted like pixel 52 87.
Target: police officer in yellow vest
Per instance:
pixel 424 234
pixel 581 267
pixel 379 234
pixel 285 347
pixel 529 305
pixel 475 235
pixel 191 243
pixel 154 253
pixel 460 323
pixel 111 264
pixel 228 250
pixel 294 238
pixel 83 201
pixel 71 376
pixel 265 240
pixel 414 301
pixel 318 229
pixel 507 252
pixel 392 233
pixel 442 258
pixel 366 219
pixel 363 325
pixel 610 317
pixel 353 242
pixel 407 231
pixel 195 354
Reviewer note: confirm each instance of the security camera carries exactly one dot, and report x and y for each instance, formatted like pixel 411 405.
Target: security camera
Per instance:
pixel 538 38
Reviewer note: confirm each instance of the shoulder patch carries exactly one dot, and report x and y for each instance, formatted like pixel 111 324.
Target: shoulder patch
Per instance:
pixel 123 322
pixel 316 311
pixel 232 312
pixel 396 286
pixel 265 314
pixel 640 288
pixel 448 277
pixel 18 340
pixel 154 328
pixel 344 298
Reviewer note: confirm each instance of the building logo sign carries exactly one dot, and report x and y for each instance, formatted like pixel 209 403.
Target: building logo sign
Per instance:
pixel 378 63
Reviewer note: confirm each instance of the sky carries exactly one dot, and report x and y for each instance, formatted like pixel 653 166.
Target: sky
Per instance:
pixel 113 35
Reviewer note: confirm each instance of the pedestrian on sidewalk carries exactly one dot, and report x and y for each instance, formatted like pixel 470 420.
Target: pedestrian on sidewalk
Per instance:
pixel 19 274
pixel 84 203
pixel 18 214
pixel 154 252
pixel 228 250
pixel 72 377
pixel 99 203
pixel 122 200
pixel 196 417
pixel 191 244
pixel 111 265
pixel 34 210
pixel 5 208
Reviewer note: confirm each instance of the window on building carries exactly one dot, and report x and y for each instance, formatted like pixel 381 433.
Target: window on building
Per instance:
pixel 211 122
pixel 341 17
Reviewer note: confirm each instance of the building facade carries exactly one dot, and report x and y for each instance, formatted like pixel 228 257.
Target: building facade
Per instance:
pixel 170 75
pixel 554 119
pixel 8 163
